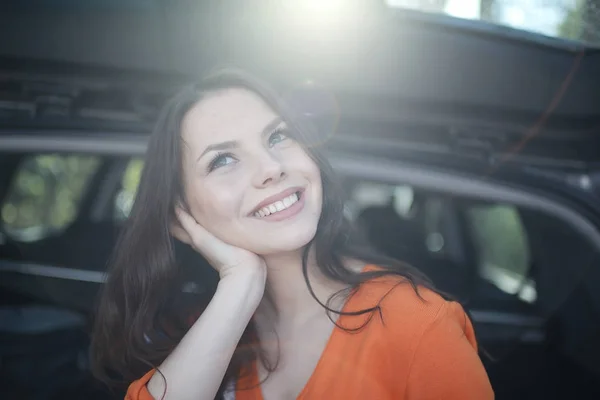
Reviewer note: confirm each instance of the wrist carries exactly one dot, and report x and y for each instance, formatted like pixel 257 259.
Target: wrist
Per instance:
pixel 253 272
pixel 251 281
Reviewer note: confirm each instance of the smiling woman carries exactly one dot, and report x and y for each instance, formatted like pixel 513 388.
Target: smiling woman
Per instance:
pixel 234 172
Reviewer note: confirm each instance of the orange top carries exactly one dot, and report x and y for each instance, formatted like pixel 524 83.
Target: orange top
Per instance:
pixel 418 349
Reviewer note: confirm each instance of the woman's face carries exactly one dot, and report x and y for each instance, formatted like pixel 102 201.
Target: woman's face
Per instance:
pixel 246 181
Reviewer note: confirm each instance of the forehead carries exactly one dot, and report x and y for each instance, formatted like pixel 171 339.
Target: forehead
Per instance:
pixel 227 114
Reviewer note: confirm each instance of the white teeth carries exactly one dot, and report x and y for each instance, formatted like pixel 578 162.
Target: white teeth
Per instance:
pixel 277 206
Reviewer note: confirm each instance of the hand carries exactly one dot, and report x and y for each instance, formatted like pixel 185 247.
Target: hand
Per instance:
pixel 223 257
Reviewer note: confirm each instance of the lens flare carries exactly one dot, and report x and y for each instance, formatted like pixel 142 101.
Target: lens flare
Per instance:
pixel 317 104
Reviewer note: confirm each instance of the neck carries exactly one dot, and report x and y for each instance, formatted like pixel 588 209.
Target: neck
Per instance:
pixel 289 296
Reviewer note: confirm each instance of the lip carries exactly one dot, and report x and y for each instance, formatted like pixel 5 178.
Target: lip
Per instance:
pixel 277 197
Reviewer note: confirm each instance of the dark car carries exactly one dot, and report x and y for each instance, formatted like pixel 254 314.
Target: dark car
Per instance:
pixel 468 150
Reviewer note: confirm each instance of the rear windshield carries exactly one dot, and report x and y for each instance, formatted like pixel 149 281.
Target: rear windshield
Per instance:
pixel 569 19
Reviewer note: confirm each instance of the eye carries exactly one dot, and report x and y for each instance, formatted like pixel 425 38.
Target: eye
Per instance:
pixel 221 160
pixel 279 135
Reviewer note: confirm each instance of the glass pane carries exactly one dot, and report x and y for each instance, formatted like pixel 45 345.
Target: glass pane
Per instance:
pixel 129 184
pixel 569 19
pixel 45 194
pixel 502 249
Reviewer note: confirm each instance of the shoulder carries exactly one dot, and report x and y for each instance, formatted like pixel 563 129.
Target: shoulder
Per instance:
pixel 408 312
pixel 423 309
pixel 398 297
pixel 421 335
pixel 137 390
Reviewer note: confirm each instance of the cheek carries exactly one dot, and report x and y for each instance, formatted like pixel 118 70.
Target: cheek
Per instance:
pixel 301 163
pixel 310 170
pixel 215 204
pixel 297 159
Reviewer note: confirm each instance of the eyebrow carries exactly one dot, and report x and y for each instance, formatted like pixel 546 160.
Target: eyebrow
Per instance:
pixel 231 144
pixel 270 127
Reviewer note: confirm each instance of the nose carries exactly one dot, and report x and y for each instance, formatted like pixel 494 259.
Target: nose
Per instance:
pixel 269 170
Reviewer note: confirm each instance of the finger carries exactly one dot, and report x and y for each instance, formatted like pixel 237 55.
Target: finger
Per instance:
pixel 203 240
pixel 186 221
pixel 180 234
pixel 217 252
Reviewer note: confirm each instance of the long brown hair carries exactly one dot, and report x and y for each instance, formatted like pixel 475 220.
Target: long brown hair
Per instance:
pixel 142 315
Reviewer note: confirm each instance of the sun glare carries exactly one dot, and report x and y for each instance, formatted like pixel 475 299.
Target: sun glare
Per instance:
pixel 317 13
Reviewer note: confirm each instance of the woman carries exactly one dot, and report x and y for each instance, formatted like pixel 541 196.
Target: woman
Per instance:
pixel 300 310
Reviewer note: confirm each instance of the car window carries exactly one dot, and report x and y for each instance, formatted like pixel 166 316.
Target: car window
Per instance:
pixel 569 19
pixel 428 221
pixel 427 230
pixel 45 194
pixel 408 224
pixel 126 193
pixel 443 236
pixel 502 248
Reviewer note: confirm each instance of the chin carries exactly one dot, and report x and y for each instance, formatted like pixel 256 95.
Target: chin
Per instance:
pixel 285 236
pixel 292 240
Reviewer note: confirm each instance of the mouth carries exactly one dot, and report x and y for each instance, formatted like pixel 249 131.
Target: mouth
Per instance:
pixel 280 205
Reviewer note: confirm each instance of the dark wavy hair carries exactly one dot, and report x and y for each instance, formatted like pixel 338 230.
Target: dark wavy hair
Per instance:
pixel 143 312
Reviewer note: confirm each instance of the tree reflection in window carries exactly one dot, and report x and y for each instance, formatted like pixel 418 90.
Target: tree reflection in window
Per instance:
pixel 129 184
pixel 46 193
